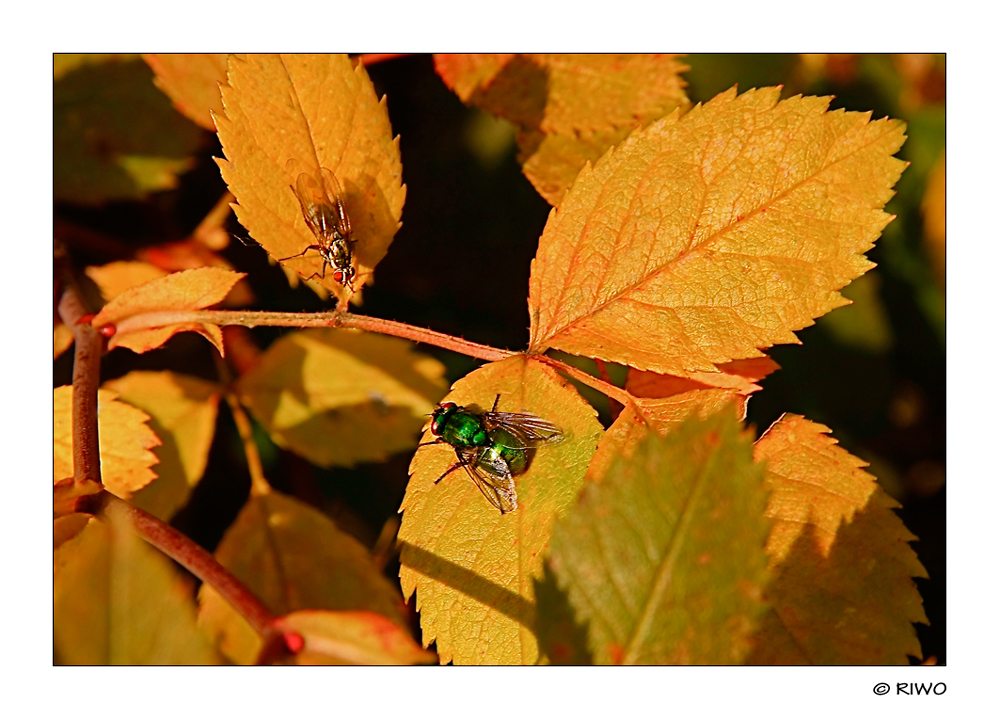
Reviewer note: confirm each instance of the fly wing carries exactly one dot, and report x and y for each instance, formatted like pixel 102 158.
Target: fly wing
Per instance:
pixel 530 430
pixel 335 197
pixel 312 198
pixel 496 485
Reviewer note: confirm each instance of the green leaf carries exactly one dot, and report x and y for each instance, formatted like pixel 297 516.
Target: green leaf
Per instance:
pixel 291 557
pixel 843 592
pixel 472 568
pixel 117 601
pixel 340 397
pixel 663 557
pixel 116 136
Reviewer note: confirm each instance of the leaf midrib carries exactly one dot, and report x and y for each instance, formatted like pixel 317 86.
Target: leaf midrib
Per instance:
pixel 664 574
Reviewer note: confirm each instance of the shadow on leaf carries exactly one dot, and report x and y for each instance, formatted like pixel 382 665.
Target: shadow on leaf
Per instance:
pixel 469 583
pixel 853 605
pixel 561 639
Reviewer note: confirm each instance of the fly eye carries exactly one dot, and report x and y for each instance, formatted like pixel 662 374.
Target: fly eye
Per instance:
pixel 338 276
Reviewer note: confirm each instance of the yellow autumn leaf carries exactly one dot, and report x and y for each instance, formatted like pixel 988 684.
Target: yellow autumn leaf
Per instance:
pixel 571 107
pixel 62 338
pixel 188 290
pixel 292 557
pixel 843 592
pixel 116 277
pixel 191 81
pixel 117 601
pixel 289 114
pixel 183 411
pixel 340 397
pixel 568 92
pixel 701 239
pixel 472 567
pixel 124 437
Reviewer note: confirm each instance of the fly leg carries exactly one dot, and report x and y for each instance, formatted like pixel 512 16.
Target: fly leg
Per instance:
pixel 320 276
pixel 450 470
pixel 317 248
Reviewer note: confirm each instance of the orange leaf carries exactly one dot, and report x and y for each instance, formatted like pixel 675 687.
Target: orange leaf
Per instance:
pixel 933 209
pixel 466 73
pixel 739 375
pixel 356 637
pixel 191 81
pixel 699 240
pixel 568 92
pixel 188 290
pixel 288 114
pixel 659 415
pixel 124 436
pixel 843 591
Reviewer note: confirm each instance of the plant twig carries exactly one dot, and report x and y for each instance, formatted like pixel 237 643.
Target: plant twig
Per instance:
pixel 372 58
pixel 198 561
pixel 258 483
pixel 336 319
pixel 86 379
pixel 614 406
pixel 612 391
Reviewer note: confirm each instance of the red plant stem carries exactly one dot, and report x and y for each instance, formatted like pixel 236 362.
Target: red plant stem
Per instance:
pixel 612 391
pixel 372 58
pixel 197 560
pixel 86 378
pixel 613 405
pixel 336 319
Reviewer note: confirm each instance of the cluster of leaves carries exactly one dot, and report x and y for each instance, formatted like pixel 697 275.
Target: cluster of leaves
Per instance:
pixel 683 242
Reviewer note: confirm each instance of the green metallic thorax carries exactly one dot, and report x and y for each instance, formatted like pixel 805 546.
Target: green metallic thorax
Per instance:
pixel 463 430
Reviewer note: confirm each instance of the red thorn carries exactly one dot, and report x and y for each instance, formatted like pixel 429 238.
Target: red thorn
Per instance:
pixel 294 642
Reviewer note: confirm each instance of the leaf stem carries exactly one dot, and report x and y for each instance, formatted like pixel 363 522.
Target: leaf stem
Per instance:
pixel 198 561
pixel 336 319
pixel 372 58
pixel 86 379
pixel 612 391
pixel 258 483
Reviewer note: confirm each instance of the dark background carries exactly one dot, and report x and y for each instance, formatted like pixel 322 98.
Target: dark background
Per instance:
pixel 874 372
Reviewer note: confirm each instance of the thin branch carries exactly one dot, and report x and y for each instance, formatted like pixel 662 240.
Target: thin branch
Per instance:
pixel 613 405
pixel 336 319
pixel 86 379
pixel 612 391
pixel 258 483
pixel 372 58
pixel 198 561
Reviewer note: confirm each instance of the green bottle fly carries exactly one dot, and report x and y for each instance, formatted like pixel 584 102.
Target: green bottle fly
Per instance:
pixel 493 447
